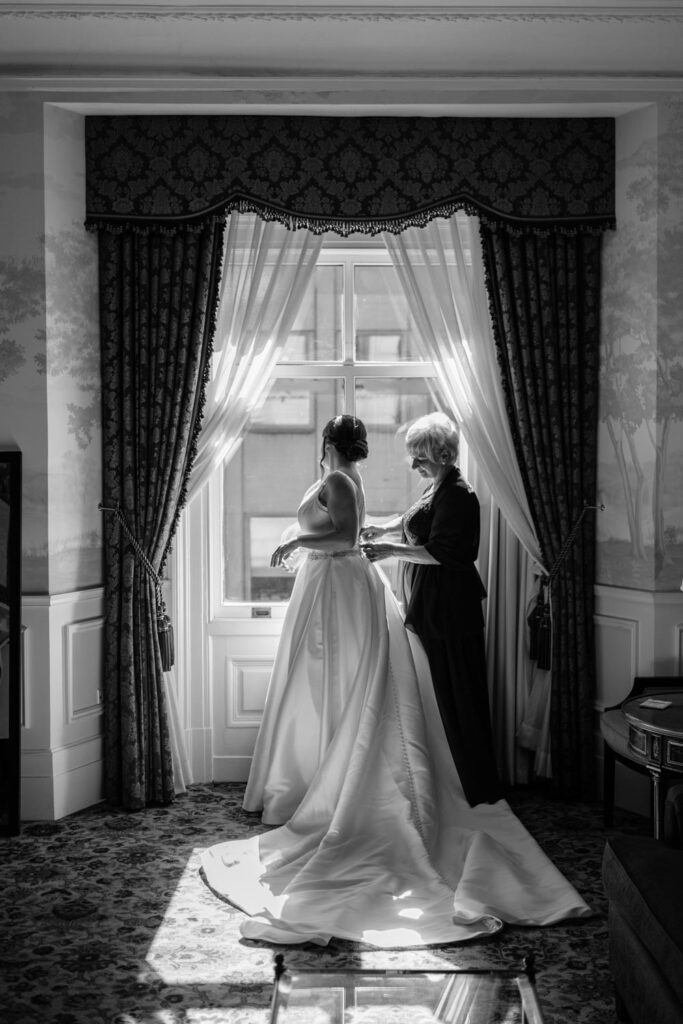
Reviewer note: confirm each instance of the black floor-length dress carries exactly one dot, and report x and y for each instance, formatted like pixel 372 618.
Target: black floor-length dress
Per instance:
pixel 444 607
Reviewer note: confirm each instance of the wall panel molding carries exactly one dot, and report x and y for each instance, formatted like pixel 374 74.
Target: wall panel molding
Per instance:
pixel 83 647
pixel 246 679
pixel 62 738
pixel 616 641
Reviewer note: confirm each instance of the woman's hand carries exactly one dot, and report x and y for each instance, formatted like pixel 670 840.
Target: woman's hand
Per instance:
pixel 371 532
pixel 281 554
pixel 376 552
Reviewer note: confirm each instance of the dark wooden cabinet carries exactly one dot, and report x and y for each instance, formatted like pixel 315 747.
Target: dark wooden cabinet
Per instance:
pixel 10 641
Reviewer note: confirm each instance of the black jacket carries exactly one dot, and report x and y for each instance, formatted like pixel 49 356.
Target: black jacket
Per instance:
pixel 446 596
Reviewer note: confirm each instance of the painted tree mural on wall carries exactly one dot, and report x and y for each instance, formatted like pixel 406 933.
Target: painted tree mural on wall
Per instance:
pixel 642 366
pixel 668 507
pixel 668 536
pixel 72 315
pixel 49 327
pixel 628 385
pixel 73 367
pixel 21 298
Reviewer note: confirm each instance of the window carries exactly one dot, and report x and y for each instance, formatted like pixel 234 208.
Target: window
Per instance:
pixel 352 349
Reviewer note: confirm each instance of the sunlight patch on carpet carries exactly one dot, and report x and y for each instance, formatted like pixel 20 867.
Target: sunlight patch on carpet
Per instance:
pixel 191 944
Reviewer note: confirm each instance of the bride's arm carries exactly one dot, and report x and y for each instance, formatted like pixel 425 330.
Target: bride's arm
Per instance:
pixel 342 508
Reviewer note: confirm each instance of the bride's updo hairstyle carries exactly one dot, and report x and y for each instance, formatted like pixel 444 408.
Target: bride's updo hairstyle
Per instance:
pixel 434 437
pixel 348 435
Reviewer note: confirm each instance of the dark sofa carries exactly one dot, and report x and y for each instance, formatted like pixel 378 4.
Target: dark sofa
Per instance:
pixel 643 880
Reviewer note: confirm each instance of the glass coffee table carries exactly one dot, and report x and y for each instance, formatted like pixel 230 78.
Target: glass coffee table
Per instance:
pixel 458 996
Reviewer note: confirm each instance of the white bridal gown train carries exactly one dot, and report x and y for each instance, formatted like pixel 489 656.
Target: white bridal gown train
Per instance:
pixel 376 841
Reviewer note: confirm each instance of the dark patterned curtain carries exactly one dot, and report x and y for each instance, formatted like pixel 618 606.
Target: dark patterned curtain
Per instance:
pixel 347 174
pixel 544 293
pixel 158 295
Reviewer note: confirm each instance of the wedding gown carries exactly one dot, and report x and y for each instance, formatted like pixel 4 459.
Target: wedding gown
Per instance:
pixel 377 842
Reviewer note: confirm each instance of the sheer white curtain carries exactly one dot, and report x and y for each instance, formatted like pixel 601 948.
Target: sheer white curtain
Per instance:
pixel 447 297
pixel 516 685
pixel 266 269
pixel 182 772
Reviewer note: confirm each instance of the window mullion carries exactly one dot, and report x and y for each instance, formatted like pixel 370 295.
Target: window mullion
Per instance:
pixel 348 351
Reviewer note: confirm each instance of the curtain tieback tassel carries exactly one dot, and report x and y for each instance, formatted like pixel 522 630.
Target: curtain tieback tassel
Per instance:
pixel 539 620
pixel 164 624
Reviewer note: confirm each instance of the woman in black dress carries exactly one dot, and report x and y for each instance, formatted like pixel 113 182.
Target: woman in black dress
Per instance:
pixel 442 593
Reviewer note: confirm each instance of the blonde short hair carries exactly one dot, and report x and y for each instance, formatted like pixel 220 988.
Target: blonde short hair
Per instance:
pixel 434 437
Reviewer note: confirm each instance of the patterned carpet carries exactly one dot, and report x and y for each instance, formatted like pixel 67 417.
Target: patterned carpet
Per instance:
pixel 106 920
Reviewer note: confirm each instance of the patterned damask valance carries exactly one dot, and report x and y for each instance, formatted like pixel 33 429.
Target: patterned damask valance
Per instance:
pixel 347 174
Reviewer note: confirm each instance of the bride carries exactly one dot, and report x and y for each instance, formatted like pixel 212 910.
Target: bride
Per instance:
pixel 375 839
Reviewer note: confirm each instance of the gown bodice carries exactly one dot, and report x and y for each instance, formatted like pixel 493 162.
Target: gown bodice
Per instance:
pixel 313 516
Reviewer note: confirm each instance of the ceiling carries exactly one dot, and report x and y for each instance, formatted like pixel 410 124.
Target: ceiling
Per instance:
pixel 541 43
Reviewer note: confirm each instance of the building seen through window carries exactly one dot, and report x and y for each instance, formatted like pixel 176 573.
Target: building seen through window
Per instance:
pixel 352 348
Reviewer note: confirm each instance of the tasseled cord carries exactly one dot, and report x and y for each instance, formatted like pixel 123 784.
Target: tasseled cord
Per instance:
pixel 164 624
pixel 540 620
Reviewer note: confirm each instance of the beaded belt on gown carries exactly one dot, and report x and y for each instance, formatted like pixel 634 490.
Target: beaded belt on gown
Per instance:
pixel 334 554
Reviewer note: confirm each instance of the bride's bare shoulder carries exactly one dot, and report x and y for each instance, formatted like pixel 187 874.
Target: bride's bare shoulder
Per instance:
pixel 339 485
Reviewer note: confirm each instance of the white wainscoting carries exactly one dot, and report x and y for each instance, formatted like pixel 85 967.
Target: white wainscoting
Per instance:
pixel 637 633
pixel 241 667
pixel 61 757
pixel 225 655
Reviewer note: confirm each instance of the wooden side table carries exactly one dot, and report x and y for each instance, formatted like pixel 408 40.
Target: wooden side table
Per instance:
pixel 656 733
